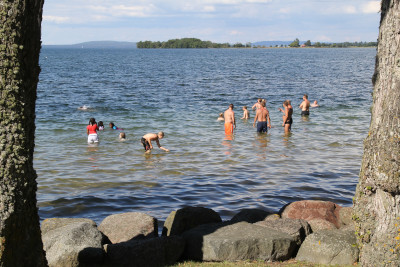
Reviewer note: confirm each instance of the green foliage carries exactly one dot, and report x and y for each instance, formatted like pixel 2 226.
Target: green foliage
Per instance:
pixel 308 43
pixel 188 43
pixel 295 43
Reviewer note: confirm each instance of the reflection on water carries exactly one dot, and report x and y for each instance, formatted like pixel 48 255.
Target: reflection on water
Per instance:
pixel 152 90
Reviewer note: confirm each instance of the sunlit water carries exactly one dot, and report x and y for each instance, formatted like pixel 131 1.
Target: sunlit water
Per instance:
pixel 182 92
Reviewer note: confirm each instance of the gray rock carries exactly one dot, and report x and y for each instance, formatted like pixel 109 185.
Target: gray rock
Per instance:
pixel 75 244
pixel 187 218
pixel 321 224
pixel 346 215
pixel 149 252
pixel 53 223
pixel 329 247
pixel 239 241
pixel 250 216
pixel 126 226
pixel 298 229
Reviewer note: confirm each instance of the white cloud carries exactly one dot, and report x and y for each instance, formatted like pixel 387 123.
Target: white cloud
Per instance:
pixel 56 19
pixel 371 7
pixel 131 11
pixel 350 10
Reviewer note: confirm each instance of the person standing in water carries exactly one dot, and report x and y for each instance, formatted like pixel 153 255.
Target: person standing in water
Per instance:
pixel 147 138
pixel 287 116
pixel 262 119
pixel 91 131
pixel 246 113
pixel 257 105
pixel 230 122
pixel 305 106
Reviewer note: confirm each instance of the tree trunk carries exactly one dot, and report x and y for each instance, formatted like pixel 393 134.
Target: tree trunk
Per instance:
pixel 377 200
pixel 20 238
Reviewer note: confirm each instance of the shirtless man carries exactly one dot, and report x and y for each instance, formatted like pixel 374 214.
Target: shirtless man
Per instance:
pixel 262 116
pixel 246 113
pixel 257 105
pixel 305 106
pixel 287 116
pixel 230 122
pixel 147 138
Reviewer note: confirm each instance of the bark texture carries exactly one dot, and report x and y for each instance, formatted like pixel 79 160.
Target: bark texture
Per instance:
pixel 20 30
pixel 377 200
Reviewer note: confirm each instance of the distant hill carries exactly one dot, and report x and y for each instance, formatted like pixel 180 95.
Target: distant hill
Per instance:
pixel 98 44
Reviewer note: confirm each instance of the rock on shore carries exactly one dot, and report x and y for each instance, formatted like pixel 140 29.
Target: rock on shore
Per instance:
pixel 313 231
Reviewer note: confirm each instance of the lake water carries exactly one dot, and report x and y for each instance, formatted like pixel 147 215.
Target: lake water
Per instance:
pixel 181 92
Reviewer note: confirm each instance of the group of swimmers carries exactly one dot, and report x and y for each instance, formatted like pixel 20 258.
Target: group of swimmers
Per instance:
pixel 262 115
pixel 93 137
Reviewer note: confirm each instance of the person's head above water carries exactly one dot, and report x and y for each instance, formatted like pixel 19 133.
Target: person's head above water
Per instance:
pixel 231 106
pixel 111 124
pixel 160 135
pixel 92 121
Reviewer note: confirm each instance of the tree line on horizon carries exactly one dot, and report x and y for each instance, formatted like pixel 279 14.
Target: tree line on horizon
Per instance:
pixel 197 43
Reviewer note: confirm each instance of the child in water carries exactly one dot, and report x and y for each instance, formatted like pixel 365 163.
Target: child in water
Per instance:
pixel 246 113
pixel 101 126
pixel 112 126
pixel 221 117
pixel 91 131
pixel 122 136
pixel 147 138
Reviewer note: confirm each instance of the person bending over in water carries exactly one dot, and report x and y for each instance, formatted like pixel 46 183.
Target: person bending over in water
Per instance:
pixel 315 104
pixel 246 113
pixel 287 116
pixel 147 138
pixel 305 106
pixel 262 116
pixel 230 122
pixel 221 117
pixel 91 131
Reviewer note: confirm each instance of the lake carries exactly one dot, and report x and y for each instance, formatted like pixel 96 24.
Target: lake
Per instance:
pixel 181 92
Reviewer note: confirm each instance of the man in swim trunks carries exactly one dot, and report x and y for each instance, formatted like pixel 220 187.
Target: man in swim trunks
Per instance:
pixel 230 122
pixel 147 138
pixel 305 106
pixel 262 116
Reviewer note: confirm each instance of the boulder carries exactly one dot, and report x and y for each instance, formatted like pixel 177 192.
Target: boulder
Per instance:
pixel 250 216
pixel 160 251
pixel 126 226
pixel 313 209
pixel 75 244
pixel 321 224
pixel 346 216
pixel 53 223
pixel 239 241
pixel 329 247
pixel 298 229
pixel 187 218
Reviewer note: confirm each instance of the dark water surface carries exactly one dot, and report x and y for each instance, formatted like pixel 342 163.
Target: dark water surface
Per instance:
pixel 182 92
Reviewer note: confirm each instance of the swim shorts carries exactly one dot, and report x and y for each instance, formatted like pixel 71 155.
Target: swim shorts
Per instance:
pixel 145 144
pixel 305 113
pixel 262 127
pixel 228 128
pixel 93 138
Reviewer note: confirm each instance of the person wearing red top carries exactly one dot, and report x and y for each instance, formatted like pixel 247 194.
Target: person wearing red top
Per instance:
pixel 91 131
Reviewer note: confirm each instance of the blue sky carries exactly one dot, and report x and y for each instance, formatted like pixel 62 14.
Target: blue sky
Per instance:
pixel 75 21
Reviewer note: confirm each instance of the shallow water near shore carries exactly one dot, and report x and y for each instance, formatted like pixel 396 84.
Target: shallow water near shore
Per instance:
pixel 181 92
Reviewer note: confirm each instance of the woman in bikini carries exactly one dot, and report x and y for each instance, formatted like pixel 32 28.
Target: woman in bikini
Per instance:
pixel 287 116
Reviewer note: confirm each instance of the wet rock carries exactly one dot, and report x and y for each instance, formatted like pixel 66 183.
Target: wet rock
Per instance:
pixel 239 241
pixel 53 223
pixel 160 251
pixel 298 229
pixel 250 216
pixel 74 244
pixel 310 210
pixel 329 247
pixel 187 218
pixel 126 226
